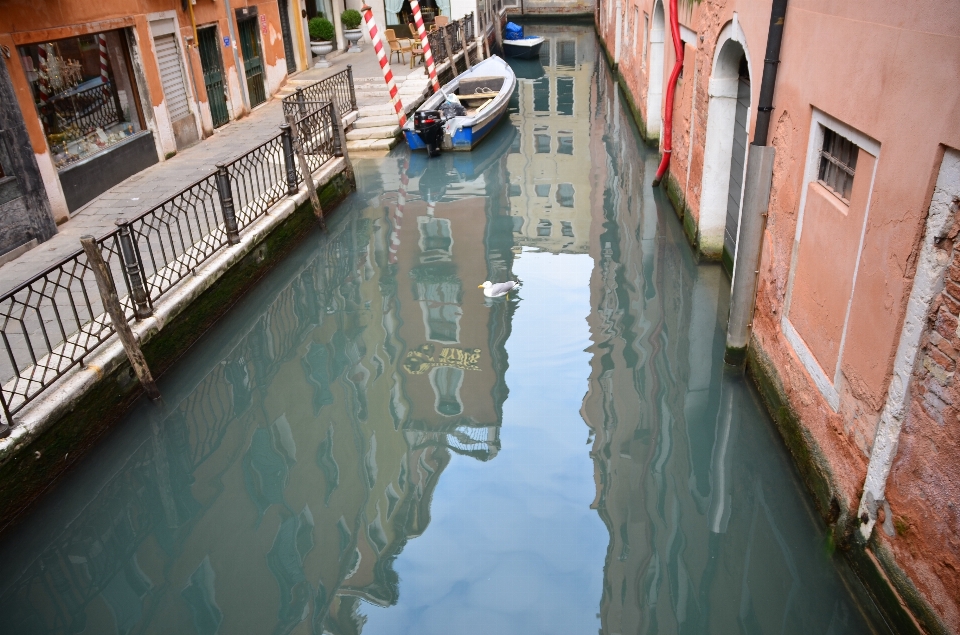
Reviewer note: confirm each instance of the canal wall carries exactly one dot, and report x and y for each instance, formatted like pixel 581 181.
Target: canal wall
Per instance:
pixel 54 433
pixel 854 340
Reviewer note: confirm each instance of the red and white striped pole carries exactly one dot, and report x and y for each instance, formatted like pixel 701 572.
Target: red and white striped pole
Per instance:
pixel 425 41
pixel 398 215
pixel 374 34
pixel 43 74
pixel 102 41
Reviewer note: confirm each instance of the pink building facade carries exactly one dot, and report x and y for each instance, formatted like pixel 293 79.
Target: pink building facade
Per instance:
pixel 855 339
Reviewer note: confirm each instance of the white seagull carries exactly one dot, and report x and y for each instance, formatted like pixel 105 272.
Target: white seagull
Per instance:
pixel 499 289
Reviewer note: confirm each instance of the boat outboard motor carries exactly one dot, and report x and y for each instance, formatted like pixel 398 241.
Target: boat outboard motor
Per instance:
pixel 428 124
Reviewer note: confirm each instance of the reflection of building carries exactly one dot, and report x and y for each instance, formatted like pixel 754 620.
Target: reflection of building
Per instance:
pixel 550 189
pixel 101 99
pixel 700 540
pixel 300 453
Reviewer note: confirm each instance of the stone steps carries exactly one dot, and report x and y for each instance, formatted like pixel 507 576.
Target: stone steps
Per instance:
pixel 372 145
pixel 375 122
pixel 377 132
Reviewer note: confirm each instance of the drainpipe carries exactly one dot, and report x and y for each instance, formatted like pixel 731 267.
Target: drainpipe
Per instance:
pixel 756 200
pixel 667 134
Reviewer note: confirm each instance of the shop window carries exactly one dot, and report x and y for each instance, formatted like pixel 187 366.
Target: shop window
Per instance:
pixel 565 194
pixel 84 92
pixel 565 143
pixel 838 164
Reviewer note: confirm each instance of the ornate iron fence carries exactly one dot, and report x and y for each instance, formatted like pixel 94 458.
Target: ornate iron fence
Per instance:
pixel 50 323
pixel 437 46
pixel 338 88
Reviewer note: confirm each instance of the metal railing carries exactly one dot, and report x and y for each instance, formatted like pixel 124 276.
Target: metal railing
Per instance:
pixel 50 323
pixel 338 88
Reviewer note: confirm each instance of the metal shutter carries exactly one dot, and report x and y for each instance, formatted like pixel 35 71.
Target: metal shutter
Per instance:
pixel 171 76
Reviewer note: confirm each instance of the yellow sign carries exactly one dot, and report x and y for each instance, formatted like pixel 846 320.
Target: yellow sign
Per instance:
pixel 422 359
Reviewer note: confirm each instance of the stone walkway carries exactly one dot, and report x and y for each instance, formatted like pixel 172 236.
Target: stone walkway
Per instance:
pixel 158 182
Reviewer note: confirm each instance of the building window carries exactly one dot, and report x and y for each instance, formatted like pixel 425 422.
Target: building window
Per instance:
pixel 565 96
pixel 545 53
pixel 636 23
pixel 544 228
pixel 565 143
pixel 838 163
pixel 567 54
pixel 541 94
pixel 543 191
pixel 436 239
pixel 517 225
pixel 646 31
pixel 84 93
pixel 566 228
pixel 542 143
pixel 565 194
pixel 515 144
pixel 515 190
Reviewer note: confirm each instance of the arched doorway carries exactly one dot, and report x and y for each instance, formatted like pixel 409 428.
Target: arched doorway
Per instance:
pixel 728 118
pixel 655 72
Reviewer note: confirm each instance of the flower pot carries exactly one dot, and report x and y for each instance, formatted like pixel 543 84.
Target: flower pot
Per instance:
pixel 321 48
pixel 353 37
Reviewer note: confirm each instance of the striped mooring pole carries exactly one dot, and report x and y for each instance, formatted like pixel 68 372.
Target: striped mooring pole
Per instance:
pixel 102 42
pixel 374 34
pixel 425 41
pixel 43 74
pixel 397 216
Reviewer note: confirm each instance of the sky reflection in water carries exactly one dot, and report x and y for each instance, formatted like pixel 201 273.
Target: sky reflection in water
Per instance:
pixel 366 443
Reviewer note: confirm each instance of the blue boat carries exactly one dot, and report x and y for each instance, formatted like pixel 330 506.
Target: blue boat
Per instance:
pixel 484 92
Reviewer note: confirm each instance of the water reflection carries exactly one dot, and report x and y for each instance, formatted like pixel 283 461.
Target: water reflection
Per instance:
pixel 708 531
pixel 302 442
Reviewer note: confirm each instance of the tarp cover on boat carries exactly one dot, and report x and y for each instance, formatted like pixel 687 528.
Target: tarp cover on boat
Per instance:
pixel 513 31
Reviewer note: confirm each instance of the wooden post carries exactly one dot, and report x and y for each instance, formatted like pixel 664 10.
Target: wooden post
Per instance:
pixel 342 137
pixel 449 46
pixel 307 175
pixel 464 42
pixel 108 293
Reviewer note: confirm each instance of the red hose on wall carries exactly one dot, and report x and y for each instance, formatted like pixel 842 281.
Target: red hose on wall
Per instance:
pixel 671 90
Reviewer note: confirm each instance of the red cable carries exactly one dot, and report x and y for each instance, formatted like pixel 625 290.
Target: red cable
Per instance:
pixel 671 90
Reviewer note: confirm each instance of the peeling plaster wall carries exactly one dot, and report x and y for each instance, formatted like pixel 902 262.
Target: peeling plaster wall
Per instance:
pixel 921 517
pixel 866 66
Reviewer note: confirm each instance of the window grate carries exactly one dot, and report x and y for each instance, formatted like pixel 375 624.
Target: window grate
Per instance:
pixel 838 163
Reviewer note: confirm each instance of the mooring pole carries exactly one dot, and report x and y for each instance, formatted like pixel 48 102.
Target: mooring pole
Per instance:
pixel 111 302
pixel 305 169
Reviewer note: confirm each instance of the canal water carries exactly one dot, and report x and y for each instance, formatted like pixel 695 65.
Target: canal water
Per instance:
pixel 368 444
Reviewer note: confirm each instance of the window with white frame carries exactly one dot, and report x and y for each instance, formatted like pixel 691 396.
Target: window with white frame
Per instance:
pixel 646 36
pixel 838 164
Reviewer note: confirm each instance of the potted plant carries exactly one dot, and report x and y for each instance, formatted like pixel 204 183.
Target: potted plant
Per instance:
pixel 321 39
pixel 351 19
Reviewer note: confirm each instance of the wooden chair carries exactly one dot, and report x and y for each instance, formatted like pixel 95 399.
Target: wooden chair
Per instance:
pixel 416 49
pixel 413 31
pixel 394 44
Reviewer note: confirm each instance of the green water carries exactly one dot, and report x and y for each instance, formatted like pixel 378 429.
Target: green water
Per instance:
pixel 367 444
